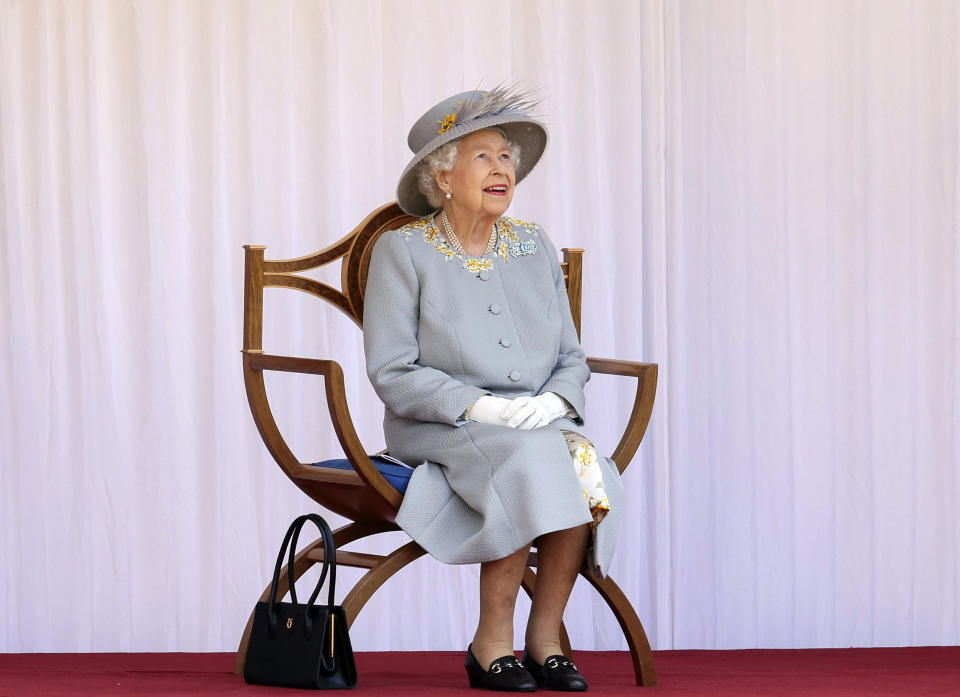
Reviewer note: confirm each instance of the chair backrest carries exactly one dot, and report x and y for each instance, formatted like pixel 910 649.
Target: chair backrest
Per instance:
pixel 361 494
pixel 354 250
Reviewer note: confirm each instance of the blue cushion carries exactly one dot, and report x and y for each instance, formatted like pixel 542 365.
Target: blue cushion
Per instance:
pixel 397 475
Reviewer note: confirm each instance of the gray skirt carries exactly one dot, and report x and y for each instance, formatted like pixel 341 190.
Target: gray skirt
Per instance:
pixel 481 492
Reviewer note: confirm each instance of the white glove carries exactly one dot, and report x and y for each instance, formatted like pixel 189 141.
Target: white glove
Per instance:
pixel 525 413
pixel 555 406
pixel 488 410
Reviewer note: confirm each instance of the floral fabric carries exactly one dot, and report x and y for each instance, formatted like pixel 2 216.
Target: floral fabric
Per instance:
pixel 588 470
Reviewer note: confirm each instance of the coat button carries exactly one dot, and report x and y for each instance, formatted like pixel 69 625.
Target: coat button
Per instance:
pixel 484 275
pixel 494 309
pixel 505 342
pixel 515 375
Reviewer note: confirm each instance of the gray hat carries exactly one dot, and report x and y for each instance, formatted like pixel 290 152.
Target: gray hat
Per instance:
pixel 504 109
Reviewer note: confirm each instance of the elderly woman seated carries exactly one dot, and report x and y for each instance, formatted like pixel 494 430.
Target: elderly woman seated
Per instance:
pixel 471 346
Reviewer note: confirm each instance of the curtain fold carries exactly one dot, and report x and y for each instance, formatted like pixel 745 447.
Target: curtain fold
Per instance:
pixel 767 193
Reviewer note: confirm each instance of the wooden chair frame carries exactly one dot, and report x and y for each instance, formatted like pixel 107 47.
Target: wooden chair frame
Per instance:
pixel 363 495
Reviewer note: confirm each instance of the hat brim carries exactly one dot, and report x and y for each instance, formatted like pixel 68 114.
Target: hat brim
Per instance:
pixel 530 135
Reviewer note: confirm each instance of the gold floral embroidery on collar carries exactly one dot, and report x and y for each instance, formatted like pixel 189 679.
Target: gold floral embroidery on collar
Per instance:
pixel 477 264
pixel 431 233
pixel 529 228
pixel 508 244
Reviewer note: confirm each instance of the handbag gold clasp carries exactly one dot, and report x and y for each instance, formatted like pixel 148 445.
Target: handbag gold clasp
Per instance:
pixel 289 622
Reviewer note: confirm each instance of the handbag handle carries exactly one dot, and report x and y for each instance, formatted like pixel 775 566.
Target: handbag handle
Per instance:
pixel 329 562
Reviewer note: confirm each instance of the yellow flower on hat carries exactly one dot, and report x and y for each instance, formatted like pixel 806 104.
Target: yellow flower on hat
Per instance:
pixel 447 122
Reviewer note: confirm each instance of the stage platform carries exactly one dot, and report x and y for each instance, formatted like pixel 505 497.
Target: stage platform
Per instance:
pixel 878 672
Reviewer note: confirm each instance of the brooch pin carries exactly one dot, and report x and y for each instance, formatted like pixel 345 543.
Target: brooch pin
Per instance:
pixel 520 249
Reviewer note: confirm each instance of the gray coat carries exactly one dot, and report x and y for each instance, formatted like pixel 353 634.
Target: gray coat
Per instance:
pixel 440 331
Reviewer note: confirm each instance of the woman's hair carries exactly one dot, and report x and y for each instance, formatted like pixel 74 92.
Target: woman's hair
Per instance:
pixel 442 160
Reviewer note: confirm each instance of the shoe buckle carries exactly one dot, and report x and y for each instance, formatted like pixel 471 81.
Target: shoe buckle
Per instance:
pixel 554 663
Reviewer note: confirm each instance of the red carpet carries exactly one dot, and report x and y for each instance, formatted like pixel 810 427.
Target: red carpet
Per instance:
pixel 819 672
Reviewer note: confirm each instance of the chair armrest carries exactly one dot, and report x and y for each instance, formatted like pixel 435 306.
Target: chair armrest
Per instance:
pixel 613 366
pixel 288 364
pixel 646 374
pixel 255 363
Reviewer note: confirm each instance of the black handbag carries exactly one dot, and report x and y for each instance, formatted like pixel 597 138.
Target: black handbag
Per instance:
pixel 294 645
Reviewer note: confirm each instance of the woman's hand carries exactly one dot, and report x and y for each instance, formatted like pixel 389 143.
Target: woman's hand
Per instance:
pixel 555 405
pixel 526 413
pixel 533 412
pixel 488 410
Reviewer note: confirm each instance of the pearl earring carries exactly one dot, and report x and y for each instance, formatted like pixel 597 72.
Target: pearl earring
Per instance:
pixel 449 195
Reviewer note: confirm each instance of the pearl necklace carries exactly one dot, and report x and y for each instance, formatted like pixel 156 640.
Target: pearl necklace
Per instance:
pixel 455 241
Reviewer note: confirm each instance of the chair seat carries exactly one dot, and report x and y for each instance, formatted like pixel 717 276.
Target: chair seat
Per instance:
pixel 398 475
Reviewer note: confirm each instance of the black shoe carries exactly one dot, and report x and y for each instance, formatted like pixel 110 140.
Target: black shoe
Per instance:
pixel 505 674
pixel 556 673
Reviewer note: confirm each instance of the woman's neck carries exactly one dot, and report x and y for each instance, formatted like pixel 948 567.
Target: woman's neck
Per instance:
pixel 473 230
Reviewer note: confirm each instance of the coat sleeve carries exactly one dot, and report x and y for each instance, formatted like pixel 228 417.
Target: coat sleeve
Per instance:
pixel 571 372
pixel 391 316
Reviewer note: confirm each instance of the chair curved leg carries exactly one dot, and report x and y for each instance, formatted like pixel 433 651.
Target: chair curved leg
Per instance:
pixel 341 536
pixel 643 667
pixel 363 590
pixel 368 584
pixel 529 583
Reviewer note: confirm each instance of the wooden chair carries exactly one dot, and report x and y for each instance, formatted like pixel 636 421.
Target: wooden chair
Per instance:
pixel 362 494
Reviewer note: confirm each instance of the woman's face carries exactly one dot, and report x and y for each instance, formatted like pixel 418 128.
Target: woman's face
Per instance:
pixel 483 175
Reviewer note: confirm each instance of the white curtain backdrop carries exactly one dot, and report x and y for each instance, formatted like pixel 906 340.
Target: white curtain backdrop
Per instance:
pixel 768 193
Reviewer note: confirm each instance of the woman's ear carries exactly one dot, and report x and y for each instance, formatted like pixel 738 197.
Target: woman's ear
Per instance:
pixel 443 181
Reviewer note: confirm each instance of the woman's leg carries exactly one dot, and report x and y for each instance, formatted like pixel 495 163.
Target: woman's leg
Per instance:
pixel 559 558
pixel 499 585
